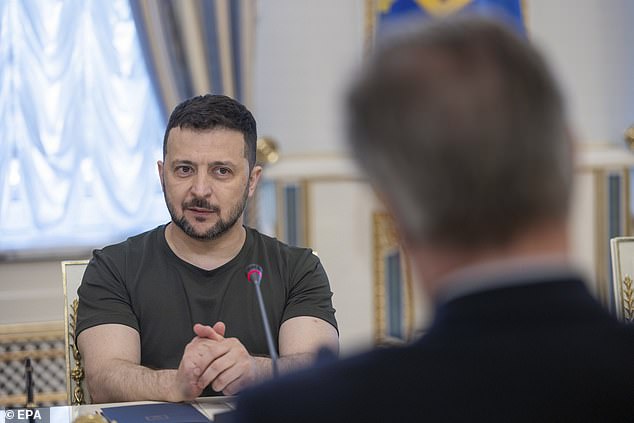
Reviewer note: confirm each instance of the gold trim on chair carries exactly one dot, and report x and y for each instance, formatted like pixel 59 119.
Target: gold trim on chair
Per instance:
pixel 622 249
pixel 77 373
pixel 628 300
pixel 74 374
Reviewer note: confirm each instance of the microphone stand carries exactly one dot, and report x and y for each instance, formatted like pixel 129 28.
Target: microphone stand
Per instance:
pixel 254 275
pixel 267 330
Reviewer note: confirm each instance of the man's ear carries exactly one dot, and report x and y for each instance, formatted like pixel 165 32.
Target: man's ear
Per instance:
pixel 159 165
pixel 254 178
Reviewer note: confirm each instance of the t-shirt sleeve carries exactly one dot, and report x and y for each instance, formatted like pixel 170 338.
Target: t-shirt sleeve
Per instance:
pixel 310 293
pixel 103 297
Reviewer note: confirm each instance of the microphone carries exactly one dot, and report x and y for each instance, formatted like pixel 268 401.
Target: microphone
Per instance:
pixel 254 275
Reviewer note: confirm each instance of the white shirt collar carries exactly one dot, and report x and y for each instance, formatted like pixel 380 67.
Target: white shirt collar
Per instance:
pixel 504 273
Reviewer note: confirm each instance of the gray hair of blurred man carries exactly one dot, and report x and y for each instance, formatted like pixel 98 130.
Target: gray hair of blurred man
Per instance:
pixel 460 125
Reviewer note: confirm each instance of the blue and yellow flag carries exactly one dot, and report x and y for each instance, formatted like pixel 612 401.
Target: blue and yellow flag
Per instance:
pixel 388 11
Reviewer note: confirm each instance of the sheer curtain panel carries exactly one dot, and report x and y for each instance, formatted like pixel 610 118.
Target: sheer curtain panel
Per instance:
pixel 80 127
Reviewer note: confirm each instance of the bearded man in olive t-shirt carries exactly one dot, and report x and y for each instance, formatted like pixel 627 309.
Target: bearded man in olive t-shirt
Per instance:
pixel 169 315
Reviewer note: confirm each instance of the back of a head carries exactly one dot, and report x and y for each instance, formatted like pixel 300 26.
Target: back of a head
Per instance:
pixel 462 127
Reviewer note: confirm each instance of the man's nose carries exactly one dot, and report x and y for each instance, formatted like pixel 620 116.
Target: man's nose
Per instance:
pixel 201 185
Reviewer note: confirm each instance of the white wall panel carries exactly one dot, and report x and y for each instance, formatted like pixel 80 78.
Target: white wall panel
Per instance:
pixel 341 232
pixel 589 46
pixel 304 53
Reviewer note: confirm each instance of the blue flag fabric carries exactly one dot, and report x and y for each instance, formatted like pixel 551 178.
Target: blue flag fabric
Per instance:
pixel 390 11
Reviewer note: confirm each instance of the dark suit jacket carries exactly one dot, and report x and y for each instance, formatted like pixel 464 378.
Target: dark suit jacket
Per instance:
pixel 538 352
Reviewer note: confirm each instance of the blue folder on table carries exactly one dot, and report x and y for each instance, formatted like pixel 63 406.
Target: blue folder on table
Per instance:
pixel 168 412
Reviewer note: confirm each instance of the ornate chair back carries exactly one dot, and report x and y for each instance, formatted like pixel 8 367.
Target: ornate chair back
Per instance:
pixel 72 273
pixel 622 249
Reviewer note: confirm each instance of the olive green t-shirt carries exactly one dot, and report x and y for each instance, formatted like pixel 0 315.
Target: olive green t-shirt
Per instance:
pixel 141 283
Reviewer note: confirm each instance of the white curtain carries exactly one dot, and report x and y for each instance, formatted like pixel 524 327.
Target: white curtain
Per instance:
pixel 80 127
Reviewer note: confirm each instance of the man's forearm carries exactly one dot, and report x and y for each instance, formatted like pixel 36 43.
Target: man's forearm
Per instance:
pixel 285 364
pixel 121 380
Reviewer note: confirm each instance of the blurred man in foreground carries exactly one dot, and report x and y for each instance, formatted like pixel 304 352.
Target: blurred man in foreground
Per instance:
pixel 462 129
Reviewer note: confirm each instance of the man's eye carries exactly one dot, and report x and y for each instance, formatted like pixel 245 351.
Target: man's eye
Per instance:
pixel 223 171
pixel 184 170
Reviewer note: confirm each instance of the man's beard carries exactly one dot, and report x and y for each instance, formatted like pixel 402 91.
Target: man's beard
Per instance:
pixel 219 228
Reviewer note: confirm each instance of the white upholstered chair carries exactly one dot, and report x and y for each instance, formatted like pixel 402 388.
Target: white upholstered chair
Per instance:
pixel 622 249
pixel 72 273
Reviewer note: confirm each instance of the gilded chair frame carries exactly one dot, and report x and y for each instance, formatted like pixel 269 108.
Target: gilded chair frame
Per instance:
pixel 622 249
pixel 72 272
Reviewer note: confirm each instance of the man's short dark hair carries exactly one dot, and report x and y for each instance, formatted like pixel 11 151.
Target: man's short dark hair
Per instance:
pixel 463 128
pixel 208 112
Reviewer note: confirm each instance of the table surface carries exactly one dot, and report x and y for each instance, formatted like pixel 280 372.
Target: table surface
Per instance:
pixel 209 406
